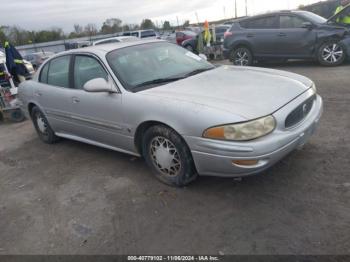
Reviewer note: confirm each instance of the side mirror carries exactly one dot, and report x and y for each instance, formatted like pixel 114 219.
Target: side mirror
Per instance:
pixel 98 85
pixel 203 56
pixel 308 25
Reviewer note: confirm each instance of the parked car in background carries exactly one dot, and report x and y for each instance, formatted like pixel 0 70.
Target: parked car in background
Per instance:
pixel 184 35
pixel 191 44
pixel 195 118
pixel 27 64
pixel 36 59
pixel 287 35
pixel 220 32
pixel 116 39
pixel 76 45
pixel 195 29
pixel 142 34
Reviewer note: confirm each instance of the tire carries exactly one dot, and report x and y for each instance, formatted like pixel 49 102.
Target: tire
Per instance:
pixel 331 53
pixel 168 156
pixel 241 56
pixel 17 116
pixel 42 127
pixel 189 48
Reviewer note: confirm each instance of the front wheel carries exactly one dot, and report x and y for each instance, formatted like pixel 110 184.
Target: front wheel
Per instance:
pixel 241 56
pixel 331 54
pixel 168 156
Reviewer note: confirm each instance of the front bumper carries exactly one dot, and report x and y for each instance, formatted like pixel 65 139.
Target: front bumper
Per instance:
pixel 214 158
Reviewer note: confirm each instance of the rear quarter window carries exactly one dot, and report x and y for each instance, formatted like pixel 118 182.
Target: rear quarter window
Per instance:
pixel 43 73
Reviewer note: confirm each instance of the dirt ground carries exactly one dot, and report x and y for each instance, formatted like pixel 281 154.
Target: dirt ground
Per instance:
pixel 72 198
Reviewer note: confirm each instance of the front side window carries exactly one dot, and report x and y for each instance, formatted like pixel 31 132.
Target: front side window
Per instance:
pixel 87 68
pixel 289 21
pixel 58 74
pixel 135 34
pixel 140 64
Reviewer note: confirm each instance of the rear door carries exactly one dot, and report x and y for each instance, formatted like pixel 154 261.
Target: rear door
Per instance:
pixel 261 33
pixel 53 93
pixel 295 40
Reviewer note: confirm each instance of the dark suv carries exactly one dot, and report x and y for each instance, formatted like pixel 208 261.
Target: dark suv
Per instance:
pixel 287 35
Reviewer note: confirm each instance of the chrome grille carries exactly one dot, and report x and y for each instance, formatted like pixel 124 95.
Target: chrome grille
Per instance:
pixel 298 114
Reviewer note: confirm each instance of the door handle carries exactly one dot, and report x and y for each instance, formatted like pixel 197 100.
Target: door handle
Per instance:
pixel 282 34
pixel 250 35
pixel 38 94
pixel 75 100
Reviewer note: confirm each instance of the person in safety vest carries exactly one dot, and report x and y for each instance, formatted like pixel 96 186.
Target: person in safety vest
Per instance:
pixel 344 19
pixel 14 63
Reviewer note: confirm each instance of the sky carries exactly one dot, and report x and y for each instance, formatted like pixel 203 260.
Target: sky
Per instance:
pixel 46 14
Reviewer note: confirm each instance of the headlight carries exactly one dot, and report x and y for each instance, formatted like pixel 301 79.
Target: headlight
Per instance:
pixel 314 88
pixel 243 131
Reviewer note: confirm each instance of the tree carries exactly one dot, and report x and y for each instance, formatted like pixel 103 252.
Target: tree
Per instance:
pixel 126 28
pixel 78 29
pixel 187 23
pixel 2 36
pixel 111 25
pixel 166 25
pixel 90 30
pixel 147 24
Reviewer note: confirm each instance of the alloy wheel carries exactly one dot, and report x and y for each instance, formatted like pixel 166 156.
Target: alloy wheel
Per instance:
pixel 241 57
pixel 332 53
pixel 165 156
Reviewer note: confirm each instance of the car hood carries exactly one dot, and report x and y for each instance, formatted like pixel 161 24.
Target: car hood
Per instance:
pixel 245 91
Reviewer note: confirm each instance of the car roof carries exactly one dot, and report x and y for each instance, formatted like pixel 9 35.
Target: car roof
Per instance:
pixel 116 37
pixel 269 14
pixel 106 48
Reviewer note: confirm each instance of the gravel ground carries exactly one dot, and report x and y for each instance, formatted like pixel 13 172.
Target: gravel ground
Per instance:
pixel 72 198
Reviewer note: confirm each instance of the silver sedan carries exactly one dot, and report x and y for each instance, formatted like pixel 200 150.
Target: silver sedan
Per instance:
pixel 186 117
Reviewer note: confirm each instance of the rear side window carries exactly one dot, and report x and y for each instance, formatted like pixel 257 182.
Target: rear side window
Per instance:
pixel 289 21
pixel 58 74
pixel 87 68
pixel 135 34
pixel 43 73
pixel 149 33
pixel 268 22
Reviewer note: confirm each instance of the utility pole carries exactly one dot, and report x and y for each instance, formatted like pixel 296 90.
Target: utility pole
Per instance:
pixel 235 8
pixel 178 25
pixel 246 7
pixel 197 18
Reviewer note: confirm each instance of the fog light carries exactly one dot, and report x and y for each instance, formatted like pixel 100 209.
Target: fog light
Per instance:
pixel 245 162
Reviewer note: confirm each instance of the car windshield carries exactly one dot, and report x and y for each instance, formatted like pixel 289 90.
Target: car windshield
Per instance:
pixel 314 18
pixel 147 65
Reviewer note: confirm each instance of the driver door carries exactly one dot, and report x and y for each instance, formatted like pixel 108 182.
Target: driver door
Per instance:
pixel 97 116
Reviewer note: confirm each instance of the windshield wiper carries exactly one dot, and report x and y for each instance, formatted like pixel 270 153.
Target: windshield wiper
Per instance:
pixel 159 81
pixel 198 71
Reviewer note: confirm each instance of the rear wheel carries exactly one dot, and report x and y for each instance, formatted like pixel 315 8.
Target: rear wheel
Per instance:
pixel 168 156
pixel 241 56
pixel 331 53
pixel 42 127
